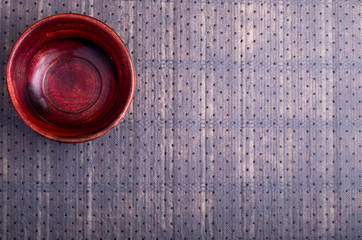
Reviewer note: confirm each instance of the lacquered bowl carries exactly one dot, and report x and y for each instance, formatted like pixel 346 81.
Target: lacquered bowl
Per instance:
pixel 70 78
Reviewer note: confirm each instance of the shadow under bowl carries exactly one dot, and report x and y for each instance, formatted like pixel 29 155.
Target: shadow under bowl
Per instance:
pixel 70 78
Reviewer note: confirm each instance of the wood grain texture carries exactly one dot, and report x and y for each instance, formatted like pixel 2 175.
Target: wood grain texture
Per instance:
pixel 245 124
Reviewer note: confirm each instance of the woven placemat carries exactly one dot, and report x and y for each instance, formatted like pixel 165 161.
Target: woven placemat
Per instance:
pixel 246 123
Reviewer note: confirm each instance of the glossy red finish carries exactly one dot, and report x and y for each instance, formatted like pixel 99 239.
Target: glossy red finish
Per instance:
pixel 70 78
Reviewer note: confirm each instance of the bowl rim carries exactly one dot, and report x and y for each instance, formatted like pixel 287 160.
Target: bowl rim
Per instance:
pixel 10 85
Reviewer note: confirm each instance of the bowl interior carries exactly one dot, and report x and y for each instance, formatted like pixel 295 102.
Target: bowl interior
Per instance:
pixel 70 78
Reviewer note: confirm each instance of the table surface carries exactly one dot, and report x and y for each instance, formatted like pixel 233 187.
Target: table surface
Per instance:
pixel 246 123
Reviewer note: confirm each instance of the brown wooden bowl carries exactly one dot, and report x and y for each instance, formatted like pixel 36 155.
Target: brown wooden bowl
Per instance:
pixel 70 78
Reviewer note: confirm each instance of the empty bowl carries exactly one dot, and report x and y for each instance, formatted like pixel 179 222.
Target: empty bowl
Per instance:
pixel 70 78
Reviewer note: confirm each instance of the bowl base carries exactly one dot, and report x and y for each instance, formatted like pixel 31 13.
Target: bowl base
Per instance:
pixel 72 85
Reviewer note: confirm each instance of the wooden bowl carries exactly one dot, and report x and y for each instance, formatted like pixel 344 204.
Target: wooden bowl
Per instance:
pixel 70 78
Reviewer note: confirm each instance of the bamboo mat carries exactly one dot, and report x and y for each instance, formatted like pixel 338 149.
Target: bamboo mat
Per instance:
pixel 246 124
